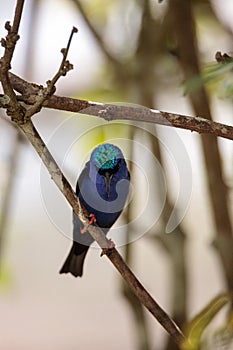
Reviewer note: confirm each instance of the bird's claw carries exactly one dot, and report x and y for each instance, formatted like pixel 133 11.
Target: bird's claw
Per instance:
pixel 111 245
pixel 92 220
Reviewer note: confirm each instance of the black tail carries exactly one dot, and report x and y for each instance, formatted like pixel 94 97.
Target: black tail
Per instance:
pixel 75 260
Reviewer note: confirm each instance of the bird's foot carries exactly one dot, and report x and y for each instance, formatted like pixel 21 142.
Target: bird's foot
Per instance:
pixel 111 245
pixel 92 220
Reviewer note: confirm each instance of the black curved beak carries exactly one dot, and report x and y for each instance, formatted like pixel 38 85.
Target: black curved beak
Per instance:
pixel 107 178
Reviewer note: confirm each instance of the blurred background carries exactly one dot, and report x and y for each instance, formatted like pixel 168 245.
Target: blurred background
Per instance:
pixel 160 55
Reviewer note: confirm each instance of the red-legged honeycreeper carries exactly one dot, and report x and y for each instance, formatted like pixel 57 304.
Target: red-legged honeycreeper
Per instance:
pixel 102 188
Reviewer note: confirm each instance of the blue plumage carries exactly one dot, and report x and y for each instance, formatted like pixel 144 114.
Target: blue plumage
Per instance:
pixel 102 188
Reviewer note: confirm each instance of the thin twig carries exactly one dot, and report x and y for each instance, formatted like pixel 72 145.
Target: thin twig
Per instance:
pixel 44 93
pixel 65 65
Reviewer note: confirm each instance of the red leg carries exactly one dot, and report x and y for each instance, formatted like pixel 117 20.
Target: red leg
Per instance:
pixel 92 220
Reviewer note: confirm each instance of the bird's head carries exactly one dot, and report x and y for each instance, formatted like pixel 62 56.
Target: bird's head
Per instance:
pixel 106 160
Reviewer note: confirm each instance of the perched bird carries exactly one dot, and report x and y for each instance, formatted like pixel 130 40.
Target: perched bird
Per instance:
pixel 102 188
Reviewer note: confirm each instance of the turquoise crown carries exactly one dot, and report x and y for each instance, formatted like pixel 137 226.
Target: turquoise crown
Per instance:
pixel 106 156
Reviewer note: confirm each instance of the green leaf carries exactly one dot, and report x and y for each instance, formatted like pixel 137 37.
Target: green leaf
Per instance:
pixel 217 77
pixel 193 84
pixel 195 328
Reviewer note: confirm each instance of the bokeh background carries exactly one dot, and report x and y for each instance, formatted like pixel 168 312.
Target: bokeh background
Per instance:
pixel 127 51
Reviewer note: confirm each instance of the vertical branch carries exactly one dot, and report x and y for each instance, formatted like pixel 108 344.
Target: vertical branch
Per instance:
pixel 14 109
pixel 13 33
pixel 181 12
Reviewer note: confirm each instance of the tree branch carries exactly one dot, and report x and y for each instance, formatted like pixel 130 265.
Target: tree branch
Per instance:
pixel 121 112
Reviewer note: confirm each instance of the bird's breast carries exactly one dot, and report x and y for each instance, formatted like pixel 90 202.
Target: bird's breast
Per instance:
pixel 105 207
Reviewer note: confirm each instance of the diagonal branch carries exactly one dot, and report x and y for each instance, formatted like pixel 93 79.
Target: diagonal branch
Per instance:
pixel 113 255
pixel 23 120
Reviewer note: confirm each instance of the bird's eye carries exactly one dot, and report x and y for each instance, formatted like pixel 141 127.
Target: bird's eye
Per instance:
pixel 100 170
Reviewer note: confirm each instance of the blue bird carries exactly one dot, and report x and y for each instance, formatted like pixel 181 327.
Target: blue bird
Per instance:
pixel 102 188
